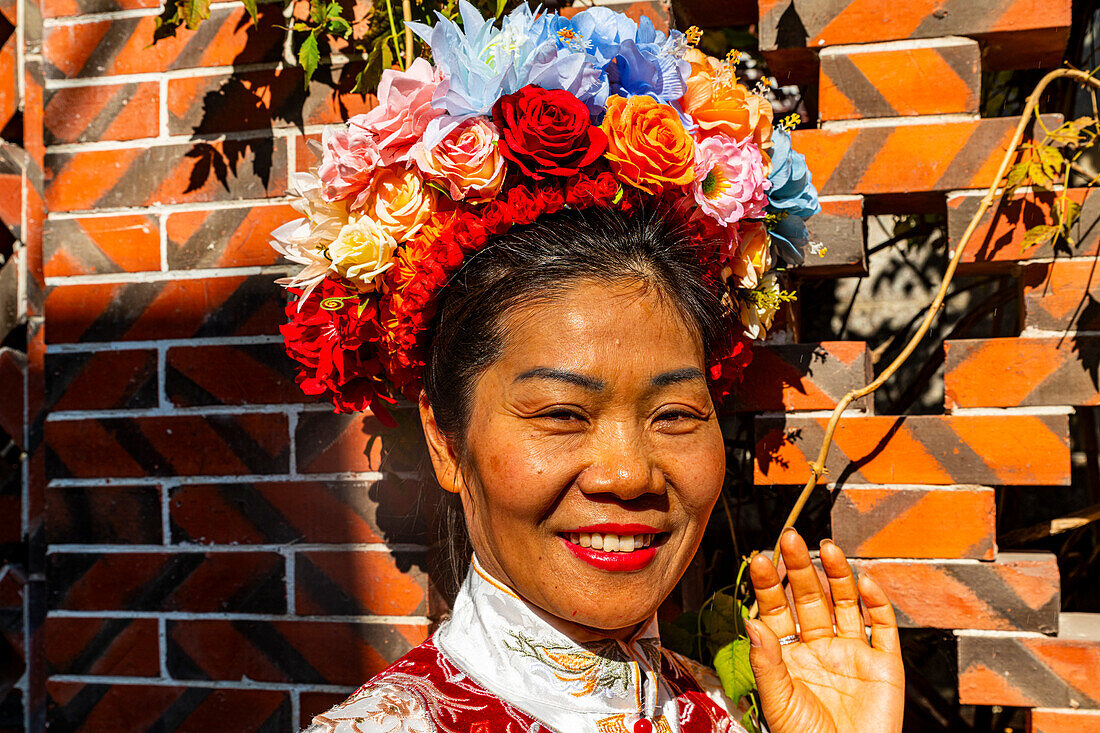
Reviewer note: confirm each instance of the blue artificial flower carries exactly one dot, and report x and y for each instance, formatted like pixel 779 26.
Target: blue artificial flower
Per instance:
pixel 792 198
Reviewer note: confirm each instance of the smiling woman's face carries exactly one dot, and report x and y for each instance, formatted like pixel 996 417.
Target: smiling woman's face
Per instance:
pixel 594 429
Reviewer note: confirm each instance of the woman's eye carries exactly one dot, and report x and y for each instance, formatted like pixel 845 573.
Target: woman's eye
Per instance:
pixel 562 415
pixel 679 416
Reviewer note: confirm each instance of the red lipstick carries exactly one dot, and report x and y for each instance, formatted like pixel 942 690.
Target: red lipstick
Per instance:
pixel 619 529
pixel 621 562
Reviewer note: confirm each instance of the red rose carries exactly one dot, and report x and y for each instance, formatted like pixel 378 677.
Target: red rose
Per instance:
pixel 497 216
pixel 547 132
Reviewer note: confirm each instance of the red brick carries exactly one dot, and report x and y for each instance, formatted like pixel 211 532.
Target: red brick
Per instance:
pixel 106 112
pixel 225 237
pixel 1008 372
pixel 1034 671
pixel 908 158
pixel 922 449
pixel 316 652
pixel 111 646
pixel 365 582
pixel 285 512
pixel 893 79
pixel 801 377
pixel 62 8
pixel 894 521
pixel 98 708
pixel 260 100
pixel 197 171
pixel 230 375
pixel 1017 592
pixel 129 243
pixel 331 443
pixel 102 380
pixel 122 46
pixel 1050 720
pixel 183 445
pixel 9 88
pixel 997 243
pixel 13 365
pixel 1062 296
pixel 190 308
pixel 100 515
pixel 230 582
pixel 840 228
pixel 304 156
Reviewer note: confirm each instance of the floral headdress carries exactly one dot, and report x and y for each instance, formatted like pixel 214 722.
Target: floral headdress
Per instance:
pixel 541 114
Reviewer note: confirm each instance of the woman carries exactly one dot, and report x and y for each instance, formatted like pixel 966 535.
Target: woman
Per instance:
pixel 565 319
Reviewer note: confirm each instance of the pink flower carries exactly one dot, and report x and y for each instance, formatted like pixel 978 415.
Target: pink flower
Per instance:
pixel 380 137
pixel 403 112
pixel 730 183
pixel 466 162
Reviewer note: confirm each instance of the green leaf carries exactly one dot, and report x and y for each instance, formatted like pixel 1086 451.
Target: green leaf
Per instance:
pixel 1016 176
pixel 387 56
pixel 680 635
pixel 372 69
pixel 309 56
pixel 719 624
pixel 1066 212
pixel 1072 132
pixel 733 668
pixel 1051 160
pixel 194 12
pixel 340 26
pixel 1038 235
pixel 250 6
pixel 501 4
pixel 1038 175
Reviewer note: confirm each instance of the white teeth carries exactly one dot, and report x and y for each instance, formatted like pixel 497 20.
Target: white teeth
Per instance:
pixel 611 543
pixel 626 544
pixel 586 539
pixel 597 541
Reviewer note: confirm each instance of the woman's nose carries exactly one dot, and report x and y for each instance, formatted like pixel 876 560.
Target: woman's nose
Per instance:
pixel 621 465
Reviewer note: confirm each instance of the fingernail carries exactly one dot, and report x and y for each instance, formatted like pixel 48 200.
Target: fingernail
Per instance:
pixel 789 530
pixel 752 632
pixel 824 542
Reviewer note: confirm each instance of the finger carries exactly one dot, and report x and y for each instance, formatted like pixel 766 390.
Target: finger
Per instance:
pixel 815 617
pixel 771 599
pixel 773 680
pixel 884 627
pixel 842 587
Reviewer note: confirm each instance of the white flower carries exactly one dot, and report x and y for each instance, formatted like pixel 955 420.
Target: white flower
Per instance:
pixel 362 251
pixel 304 241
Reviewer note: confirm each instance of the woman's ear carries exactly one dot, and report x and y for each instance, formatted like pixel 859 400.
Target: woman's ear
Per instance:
pixel 444 460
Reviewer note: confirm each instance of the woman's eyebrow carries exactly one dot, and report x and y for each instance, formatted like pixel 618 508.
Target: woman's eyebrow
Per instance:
pixel 678 375
pixel 562 375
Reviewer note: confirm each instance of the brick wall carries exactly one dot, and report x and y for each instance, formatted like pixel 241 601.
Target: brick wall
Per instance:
pixel 205 549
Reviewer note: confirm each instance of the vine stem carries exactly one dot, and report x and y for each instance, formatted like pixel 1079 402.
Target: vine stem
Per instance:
pixel 406 12
pixel 817 469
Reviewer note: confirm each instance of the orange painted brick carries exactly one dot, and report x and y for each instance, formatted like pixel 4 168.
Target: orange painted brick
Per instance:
pixel 102 646
pixel 997 243
pixel 1017 592
pixel 840 228
pixel 901 78
pixel 801 377
pixel 13 375
pixel 62 8
pixel 1036 30
pixel 924 449
pixel 1060 671
pixel 129 243
pixel 103 112
pixel 1053 720
pixel 226 237
pixel 1061 295
pixel 897 521
pixel 915 157
pixel 1011 372
pixel 359 583
pixel 331 443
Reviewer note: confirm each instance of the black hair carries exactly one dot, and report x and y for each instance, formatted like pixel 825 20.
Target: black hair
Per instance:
pixel 537 263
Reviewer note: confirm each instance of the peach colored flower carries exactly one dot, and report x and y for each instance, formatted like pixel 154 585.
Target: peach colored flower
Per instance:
pixel 718 103
pixel 361 252
pixel 399 201
pixel 753 258
pixel 647 146
pixel 466 162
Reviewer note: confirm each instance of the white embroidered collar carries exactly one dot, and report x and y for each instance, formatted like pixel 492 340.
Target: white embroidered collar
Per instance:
pixel 510 649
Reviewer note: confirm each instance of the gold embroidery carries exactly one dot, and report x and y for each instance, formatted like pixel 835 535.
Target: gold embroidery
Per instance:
pixel 662 725
pixel 604 668
pixel 614 724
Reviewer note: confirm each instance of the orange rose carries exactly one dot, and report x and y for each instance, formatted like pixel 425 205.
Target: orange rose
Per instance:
pixel 647 146
pixel 753 257
pixel 719 104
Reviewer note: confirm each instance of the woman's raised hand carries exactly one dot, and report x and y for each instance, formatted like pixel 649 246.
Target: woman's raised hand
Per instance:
pixel 831 680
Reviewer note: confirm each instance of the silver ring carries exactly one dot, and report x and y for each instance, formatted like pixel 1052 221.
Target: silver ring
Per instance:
pixel 789 639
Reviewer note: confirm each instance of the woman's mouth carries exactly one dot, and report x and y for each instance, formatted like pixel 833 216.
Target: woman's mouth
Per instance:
pixel 624 550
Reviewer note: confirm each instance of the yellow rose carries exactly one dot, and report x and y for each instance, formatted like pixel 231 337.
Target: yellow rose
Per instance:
pixel 361 252
pixel 399 201
pixel 753 257
pixel 647 146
